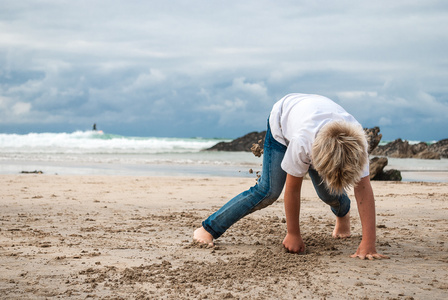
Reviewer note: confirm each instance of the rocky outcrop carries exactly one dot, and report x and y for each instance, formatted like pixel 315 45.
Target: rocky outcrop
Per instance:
pixel 402 149
pixel 440 147
pixel 243 143
pixel 427 154
pixel 377 165
pixel 389 175
pixel 373 136
pixel 246 142
pixel 376 168
pixel 254 142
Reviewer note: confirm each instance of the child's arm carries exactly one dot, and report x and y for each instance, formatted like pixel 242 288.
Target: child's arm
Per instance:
pixel 293 241
pixel 366 208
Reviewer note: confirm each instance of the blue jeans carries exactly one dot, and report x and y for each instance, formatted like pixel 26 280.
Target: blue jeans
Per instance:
pixel 267 191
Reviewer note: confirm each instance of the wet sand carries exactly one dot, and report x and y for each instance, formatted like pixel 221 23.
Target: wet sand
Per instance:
pixel 131 238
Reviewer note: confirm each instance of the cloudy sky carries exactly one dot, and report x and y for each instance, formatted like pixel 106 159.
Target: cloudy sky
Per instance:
pixel 214 68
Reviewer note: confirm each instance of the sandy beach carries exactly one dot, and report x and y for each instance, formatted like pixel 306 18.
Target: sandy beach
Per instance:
pixel 128 237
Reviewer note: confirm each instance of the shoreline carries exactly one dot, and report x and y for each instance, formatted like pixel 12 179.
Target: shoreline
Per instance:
pixel 424 176
pixel 79 236
pixel 420 172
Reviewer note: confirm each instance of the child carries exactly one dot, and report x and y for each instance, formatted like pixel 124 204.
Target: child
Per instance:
pixel 307 134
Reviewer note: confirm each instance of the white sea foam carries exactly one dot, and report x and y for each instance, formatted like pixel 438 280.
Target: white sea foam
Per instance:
pixel 89 152
pixel 97 142
pixel 382 143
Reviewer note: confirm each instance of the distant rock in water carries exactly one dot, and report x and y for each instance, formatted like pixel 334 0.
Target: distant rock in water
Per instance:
pixel 402 149
pixel 243 143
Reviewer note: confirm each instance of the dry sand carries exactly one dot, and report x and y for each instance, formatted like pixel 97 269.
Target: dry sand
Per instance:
pixel 131 238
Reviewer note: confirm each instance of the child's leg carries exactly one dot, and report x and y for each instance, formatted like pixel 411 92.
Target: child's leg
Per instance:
pixel 340 205
pixel 264 193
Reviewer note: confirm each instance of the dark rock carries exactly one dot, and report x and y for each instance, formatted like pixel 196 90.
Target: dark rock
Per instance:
pixel 373 138
pixel 376 166
pixel 254 142
pixel 426 154
pixel 440 147
pixel 402 149
pixel 243 143
pixel 397 149
pixel 420 147
pixel 389 175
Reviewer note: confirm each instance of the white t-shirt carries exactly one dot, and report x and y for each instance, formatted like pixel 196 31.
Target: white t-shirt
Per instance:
pixel 295 121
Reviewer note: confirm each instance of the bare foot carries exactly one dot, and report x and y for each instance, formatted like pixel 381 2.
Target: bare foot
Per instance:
pixel 342 227
pixel 203 236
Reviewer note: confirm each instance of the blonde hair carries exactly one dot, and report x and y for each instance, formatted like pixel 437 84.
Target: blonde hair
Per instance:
pixel 339 155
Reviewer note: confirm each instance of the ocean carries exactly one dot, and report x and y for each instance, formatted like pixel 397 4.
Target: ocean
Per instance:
pixel 98 153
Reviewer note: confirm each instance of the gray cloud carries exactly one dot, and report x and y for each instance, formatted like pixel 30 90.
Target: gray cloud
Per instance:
pixel 212 68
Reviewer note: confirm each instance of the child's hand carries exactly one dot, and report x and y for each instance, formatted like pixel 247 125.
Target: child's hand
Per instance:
pixel 294 243
pixel 370 253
